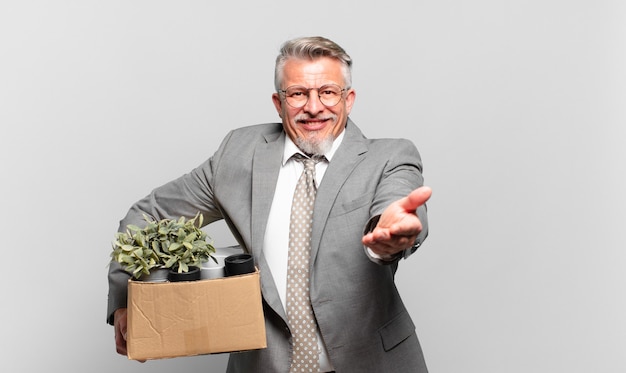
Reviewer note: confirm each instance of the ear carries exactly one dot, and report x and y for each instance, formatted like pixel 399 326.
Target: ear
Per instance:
pixel 350 97
pixel 278 104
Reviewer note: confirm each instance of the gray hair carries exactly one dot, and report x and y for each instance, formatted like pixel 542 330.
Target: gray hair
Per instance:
pixel 311 48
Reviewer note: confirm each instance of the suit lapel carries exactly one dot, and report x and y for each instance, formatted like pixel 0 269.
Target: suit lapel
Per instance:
pixel 265 169
pixel 348 156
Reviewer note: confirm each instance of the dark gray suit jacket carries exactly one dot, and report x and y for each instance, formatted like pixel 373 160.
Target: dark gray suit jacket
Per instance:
pixel 362 319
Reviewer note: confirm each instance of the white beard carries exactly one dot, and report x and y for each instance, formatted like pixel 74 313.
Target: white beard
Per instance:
pixel 314 147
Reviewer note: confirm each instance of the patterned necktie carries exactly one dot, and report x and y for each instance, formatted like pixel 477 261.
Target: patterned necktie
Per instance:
pixel 299 312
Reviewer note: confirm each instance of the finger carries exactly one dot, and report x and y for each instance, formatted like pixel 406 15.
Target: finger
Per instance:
pixel 388 243
pixel 120 344
pixel 381 248
pixel 408 227
pixel 416 198
pixel 369 240
pixel 381 234
pixel 376 237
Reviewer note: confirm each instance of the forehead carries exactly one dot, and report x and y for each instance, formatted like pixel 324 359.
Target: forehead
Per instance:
pixel 315 72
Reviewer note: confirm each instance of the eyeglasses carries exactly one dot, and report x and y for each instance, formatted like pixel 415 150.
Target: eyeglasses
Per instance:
pixel 297 96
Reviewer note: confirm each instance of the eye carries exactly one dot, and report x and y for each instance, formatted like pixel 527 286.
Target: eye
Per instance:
pixel 329 91
pixel 296 92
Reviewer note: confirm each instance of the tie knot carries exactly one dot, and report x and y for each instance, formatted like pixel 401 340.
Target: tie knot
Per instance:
pixel 308 162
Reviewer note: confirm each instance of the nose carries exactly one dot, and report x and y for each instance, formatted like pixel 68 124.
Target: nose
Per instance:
pixel 314 104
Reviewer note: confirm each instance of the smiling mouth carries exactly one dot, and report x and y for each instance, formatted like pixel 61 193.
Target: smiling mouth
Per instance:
pixel 312 122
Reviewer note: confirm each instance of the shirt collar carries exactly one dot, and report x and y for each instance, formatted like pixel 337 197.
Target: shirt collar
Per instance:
pixel 291 148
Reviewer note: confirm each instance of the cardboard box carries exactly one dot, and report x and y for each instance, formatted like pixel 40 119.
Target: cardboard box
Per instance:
pixel 171 319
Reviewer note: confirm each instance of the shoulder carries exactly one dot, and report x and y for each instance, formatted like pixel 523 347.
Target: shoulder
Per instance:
pixel 244 137
pixel 242 141
pixel 389 142
pixel 354 134
pixel 263 129
pixel 391 146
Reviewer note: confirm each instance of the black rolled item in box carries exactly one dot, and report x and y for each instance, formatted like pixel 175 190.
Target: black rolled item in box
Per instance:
pixel 239 264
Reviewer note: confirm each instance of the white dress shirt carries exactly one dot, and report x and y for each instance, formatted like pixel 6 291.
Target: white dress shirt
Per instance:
pixel 276 243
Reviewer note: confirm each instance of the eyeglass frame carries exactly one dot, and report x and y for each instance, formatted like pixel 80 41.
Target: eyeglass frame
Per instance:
pixel 308 96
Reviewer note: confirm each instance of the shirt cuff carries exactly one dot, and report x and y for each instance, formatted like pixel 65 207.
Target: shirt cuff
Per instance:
pixel 385 258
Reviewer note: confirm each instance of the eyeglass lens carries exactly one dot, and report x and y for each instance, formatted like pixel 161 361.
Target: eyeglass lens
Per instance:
pixel 298 96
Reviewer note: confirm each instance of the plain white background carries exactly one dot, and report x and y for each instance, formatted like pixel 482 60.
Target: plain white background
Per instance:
pixel 517 107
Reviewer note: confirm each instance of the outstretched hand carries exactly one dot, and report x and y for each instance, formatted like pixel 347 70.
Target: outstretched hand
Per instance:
pixel 399 224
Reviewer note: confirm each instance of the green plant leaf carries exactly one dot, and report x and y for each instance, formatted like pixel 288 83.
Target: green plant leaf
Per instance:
pixel 172 243
pixel 174 247
pixel 171 261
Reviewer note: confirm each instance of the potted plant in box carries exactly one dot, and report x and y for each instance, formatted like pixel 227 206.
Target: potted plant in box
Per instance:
pixel 177 246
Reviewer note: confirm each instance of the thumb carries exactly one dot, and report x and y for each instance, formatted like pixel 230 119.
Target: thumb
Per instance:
pixel 416 198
